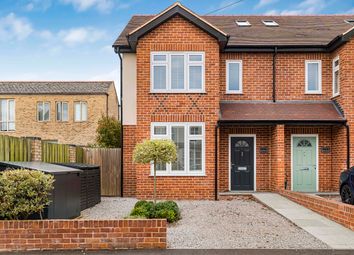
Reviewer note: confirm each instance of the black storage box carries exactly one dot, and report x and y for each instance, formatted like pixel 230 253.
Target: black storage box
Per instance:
pixel 90 183
pixel 66 194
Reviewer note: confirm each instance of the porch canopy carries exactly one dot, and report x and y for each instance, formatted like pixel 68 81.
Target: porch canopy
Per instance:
pixel 281 112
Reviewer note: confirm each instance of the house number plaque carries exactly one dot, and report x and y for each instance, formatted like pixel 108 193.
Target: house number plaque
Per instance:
pixel 326 150
pixel 264 150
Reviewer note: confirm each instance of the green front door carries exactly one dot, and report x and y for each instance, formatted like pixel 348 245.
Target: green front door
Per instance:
pixel 304 164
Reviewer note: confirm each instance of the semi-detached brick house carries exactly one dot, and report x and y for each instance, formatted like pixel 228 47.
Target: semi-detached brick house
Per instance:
pixel 254 103
pixel 64 112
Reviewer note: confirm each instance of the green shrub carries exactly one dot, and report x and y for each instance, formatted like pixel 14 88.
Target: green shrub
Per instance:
pixel 167 210
pixel 143 209
pixel 108 132
pixel 162 210
pixel 23 193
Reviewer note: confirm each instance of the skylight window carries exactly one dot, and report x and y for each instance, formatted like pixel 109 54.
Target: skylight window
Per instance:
pixel 243 23
pixel 270 23
pixel 349 21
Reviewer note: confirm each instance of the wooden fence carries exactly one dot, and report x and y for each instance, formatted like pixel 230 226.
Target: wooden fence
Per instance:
pixel 55 153
pixel 15 148
pixel 109 161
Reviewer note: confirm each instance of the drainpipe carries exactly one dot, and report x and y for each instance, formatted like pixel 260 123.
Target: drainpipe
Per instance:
pixel 274 72
pixel 117 50
pixel 348 145
pixel 216 161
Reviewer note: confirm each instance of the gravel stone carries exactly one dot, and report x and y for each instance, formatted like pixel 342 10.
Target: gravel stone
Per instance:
pixel 219 225
pixel 110 208
pixel 235 224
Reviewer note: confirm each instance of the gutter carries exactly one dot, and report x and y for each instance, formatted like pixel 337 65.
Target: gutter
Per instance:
pixel 117 51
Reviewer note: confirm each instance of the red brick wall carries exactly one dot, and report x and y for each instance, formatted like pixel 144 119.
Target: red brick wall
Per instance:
pixel 129 177
pixel 346 97
pixel 337 211
pixel 82 234
pixel 290 76
pixel 339 154
pixel 177 34
pixel 325 160
pixel 263 160
pixel 278 157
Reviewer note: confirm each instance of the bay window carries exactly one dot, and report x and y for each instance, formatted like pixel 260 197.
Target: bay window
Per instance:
pixel 173 72
pixel 189 139
pixel 7 114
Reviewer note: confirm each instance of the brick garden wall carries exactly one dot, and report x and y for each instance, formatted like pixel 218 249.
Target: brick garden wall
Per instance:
pixel 337 211
pixel 82 234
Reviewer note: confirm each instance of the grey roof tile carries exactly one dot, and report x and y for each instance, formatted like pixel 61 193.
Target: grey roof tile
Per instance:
pixel 54 87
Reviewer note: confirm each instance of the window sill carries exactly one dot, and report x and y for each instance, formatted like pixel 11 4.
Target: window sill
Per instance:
pixel 313 93
pixel 178 175
pixel 335 96
pixel 177 92
pixel 233 93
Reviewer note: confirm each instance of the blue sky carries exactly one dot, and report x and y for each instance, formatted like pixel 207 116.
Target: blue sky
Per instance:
pixel 71 39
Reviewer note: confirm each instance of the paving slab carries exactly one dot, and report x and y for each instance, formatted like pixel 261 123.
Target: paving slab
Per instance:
pixel 333 234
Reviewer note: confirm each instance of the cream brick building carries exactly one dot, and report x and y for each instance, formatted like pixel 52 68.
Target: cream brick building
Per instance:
pixel 63 112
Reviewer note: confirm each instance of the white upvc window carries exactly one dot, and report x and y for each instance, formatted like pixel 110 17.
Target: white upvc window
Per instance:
pixel 177 72
pixel 313 77
pixel 43 111
pixel 7 114
pixel 234 76
pixel 62 111
pixel 190 141
pixel 80 111
pixel 336 83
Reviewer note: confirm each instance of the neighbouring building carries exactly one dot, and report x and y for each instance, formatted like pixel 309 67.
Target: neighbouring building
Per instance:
pixel 64 112
pixel 253 103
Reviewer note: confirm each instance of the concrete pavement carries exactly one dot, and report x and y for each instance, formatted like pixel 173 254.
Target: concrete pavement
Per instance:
pixel 333 234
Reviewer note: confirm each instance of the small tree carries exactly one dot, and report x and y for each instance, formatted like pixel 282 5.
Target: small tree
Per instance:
pixel 156 152
pixel 108 132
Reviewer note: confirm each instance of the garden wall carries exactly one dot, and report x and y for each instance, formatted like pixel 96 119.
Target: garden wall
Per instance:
pixel 336 211
pixel 82 234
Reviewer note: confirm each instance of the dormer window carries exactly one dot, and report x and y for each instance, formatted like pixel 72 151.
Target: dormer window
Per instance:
pixel 270 23
pixel 243 23
pixel 349 21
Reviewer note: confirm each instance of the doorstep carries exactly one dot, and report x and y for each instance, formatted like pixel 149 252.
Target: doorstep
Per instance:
pixel 233 195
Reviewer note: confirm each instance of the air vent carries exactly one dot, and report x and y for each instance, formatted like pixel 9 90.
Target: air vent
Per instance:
pixel 243 23
pixel 270 23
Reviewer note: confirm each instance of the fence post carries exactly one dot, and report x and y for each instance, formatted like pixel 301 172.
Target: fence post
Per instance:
pixel 72 153
pixel 36 148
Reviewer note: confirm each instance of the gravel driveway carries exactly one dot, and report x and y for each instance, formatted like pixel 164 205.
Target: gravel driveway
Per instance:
pixel 219 224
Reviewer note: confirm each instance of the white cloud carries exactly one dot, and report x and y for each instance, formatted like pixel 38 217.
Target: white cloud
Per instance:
pixel 79 35
pixel 351 11
pixel 304 7
pixel 13 27
pixel 271 12
pixel 38 5
pixel 83 5
pixel 263 3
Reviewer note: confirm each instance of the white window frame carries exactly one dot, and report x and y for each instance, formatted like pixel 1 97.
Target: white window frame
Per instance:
pixel 61 106
pixel 187 138
pixel 167 64
pixel 228 91
pixel 270 23
pixel 81 103
pixel 243 23
pixel 7 121
pixel 43 103
pixel 334 70
pixel 319 91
